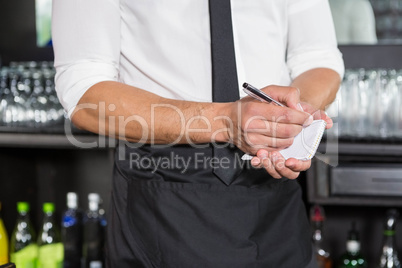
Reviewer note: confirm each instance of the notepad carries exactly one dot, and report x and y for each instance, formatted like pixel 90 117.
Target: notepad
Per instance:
pixel 305 143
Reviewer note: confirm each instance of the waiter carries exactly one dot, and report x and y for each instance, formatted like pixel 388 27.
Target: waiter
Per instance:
pixel 164 77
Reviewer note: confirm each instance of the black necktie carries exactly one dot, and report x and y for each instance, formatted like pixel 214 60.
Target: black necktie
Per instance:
pixel 224 79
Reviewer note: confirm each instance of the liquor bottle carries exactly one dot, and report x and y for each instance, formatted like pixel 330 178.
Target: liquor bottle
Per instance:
pixel 71 233
pixel 3 242
pixel 50 251
pixel 389 255
pixel 352 257
pixel 94 234
pixel 23 248
pixel 317 222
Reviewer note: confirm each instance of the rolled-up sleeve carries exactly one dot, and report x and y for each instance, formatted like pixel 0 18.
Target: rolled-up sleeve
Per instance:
pixel 86 43
pixel 311 38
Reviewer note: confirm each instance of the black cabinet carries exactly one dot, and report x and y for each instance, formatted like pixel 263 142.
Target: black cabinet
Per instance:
pixel 367 174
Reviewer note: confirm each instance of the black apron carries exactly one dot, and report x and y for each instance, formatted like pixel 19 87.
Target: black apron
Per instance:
pixel 166 212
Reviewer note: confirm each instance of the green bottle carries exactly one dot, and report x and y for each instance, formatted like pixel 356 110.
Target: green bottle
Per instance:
pixel 352 257
pixel 50 252
pixel 3 242
pixel 23 249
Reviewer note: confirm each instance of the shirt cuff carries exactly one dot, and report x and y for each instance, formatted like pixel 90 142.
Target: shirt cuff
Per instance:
pixel 74 80
pixel 302 62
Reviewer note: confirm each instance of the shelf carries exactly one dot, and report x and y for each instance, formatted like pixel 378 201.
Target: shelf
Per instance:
pixel 361 148
pixel 58 136
pixel 358 201
pixel 37 140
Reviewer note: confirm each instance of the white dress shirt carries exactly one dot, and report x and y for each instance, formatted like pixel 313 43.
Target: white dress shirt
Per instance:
pixel 164 46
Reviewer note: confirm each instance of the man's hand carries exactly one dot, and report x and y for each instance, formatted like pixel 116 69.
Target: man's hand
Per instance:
pixel 277 166
pixel 263 129
pixel 257 125
pixel 274 162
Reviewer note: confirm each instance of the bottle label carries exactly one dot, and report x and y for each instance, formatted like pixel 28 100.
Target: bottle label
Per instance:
pixel 51 256
pixel 26 257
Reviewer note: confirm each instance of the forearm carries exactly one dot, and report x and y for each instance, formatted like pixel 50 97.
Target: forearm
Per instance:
pixel 318 87
pixel 125 112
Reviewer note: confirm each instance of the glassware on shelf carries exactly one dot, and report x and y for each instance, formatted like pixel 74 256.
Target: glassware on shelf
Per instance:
pixel 28 97
pixel 368 104
pixel 388 23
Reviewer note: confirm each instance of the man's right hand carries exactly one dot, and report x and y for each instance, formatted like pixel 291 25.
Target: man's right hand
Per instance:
pixel 264 129
pixel 256 125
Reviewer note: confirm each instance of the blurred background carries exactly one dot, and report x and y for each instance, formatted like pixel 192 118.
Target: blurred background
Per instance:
pixel 356 176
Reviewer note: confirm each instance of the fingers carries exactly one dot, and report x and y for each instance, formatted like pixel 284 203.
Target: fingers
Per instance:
pixel 288 115
pixel 274 121
pixel 318 114
pixel 289 96
pixel 258 132
pixel 277 166
pixel 297 165
pixel 260 125
pixel 260 141
pixel 323 116
pixel 263 160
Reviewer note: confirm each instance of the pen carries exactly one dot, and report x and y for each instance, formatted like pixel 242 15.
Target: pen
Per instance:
pixel 259 95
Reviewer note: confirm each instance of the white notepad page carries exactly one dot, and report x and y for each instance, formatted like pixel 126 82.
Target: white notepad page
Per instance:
pixel 305 143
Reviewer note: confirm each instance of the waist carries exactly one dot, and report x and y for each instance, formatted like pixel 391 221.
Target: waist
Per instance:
pixel 185 163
